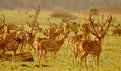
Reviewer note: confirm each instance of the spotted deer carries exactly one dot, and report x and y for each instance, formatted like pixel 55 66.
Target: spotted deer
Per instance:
pixel 9 44
pixel 52 32
pixel 51 46
pixel 92 47
pixel 36 48
pixel 71 40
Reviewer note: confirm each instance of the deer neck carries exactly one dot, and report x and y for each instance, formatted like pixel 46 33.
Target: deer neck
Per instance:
pixel 99 42
pixel 8 29
pixel 62 41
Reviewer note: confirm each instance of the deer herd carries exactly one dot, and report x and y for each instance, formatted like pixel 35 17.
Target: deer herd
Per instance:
pixel 14 37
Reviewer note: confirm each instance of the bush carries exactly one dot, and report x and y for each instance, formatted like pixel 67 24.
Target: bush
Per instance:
pixel 58 12
pixel 116 31
pixel 94 11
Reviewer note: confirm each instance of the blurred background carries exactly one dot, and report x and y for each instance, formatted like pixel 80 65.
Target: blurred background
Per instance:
pixel 64 4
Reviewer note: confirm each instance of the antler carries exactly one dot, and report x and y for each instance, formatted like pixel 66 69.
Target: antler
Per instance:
pixel 94 32
pixel 109 21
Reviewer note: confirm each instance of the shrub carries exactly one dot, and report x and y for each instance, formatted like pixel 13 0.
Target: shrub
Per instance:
pixel 116 31
pixel 94 11
pixel 58 12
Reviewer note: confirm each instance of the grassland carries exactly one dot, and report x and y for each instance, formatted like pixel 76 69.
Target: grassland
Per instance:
pixel 110 59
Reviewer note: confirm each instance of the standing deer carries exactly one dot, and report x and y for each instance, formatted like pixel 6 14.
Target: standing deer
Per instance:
pixel 36 48
pixel 10 44
pixel 92 47
pixel 50 45
pixel 71 40
pixel 52 32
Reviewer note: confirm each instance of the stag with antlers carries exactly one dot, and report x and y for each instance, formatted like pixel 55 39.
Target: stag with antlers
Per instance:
pixel 92 47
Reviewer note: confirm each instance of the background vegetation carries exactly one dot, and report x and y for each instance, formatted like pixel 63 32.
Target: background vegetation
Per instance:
pixel 65 4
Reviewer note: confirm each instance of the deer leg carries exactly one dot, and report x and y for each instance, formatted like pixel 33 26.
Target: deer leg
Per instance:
pixel 54 56
pixel 67 46
pixel 74 58
pixel 84 56
pixel 0 50
pixel 86 62
pixel 40 56
pixel 45 56
pixel 21 47
pixel 29 46
pixel 24 46
pixel 3 52
pixel 51 55
pixel 75 52
pixel 74 55
pixel 94 62
pixel 14 52
pixel 34 52
pixel 70 51
pixel 98 60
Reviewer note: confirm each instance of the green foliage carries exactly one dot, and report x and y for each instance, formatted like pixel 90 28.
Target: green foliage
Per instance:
pixel 94 11
pixel 58 12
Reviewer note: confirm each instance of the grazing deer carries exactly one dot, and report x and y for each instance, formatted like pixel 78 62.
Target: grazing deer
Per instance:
pixel 51 45
pixel 92 47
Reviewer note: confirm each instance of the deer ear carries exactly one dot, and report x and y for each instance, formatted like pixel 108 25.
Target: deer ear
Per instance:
pixel 67 32
pixel 2 25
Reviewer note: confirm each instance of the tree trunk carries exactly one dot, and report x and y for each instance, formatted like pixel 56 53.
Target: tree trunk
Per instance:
pixel 26 56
